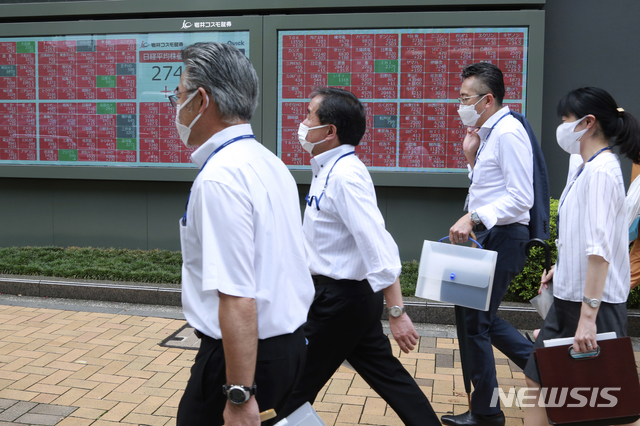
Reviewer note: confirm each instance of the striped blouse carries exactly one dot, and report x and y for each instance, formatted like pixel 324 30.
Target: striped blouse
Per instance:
pixel 592 221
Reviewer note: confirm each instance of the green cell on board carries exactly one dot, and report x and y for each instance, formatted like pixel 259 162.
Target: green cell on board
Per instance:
pixel 339 79
pixel 106 108
pixel 126 144
pixel 106 81
pixel 67 155
pixel 26 47
pixel 386 65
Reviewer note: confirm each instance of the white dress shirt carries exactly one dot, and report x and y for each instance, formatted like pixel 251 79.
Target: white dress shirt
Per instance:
pixel 502 178
pixel 592 221
pixel 243 237
pixel 346 238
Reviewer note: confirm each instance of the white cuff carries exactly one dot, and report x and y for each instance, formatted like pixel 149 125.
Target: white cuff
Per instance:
pixel 487 216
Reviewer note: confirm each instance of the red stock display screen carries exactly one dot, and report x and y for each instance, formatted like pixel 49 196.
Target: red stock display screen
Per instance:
pixel 409 81
pixel 96 99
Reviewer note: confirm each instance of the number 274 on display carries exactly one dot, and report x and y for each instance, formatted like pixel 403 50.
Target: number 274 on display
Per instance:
pixel 166 72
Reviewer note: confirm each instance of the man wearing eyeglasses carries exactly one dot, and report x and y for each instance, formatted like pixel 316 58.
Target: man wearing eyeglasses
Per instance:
pixel 246 287
pixel 353 262
pixel 501 194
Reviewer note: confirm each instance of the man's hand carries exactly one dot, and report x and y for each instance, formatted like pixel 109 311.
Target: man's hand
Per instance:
pixel 404 333
pixel 459 232
pixel 470 145
pixel 246 414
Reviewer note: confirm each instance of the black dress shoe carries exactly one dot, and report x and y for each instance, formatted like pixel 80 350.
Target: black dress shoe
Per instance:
pixel 470 419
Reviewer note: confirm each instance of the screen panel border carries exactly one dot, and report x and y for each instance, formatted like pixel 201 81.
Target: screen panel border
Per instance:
pixel 66 9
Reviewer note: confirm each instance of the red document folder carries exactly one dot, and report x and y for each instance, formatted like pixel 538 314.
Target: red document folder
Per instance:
pixel 599 390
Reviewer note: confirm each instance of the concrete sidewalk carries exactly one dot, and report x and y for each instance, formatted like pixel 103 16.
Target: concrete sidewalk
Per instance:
pixel 62 365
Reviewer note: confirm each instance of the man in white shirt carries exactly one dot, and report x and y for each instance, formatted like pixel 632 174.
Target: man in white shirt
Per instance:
pixel 501 194
pixel 245 280
pixel 353 261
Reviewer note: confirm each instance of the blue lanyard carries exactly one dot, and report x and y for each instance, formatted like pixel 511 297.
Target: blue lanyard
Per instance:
pixel 309 200
pixel 227 143
pixel 485 143
pixel 574 181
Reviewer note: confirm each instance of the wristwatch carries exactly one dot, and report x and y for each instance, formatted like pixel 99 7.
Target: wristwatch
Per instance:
pixel 396 311
pixel 238 394
pixel 475 218
pixel 594 303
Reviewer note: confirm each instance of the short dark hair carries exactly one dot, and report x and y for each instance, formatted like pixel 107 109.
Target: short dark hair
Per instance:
pixel 345 111
pixel 490 76
pixel 618 126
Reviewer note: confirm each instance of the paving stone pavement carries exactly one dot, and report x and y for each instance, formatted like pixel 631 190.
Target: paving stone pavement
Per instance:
pixel 70 368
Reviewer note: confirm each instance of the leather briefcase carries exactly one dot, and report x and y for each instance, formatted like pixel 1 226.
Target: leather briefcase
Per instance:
pixel 601 389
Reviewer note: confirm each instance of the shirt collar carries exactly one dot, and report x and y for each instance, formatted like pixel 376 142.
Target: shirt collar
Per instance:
pixel 486 127
pixel 200 155
pixel 319 161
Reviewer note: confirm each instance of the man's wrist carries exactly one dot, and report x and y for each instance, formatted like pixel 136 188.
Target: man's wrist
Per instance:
pixel 475 218
pixel 396 311
pixel 238 394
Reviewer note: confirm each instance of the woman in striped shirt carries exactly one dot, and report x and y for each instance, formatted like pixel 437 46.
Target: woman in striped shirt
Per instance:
pixel 591 277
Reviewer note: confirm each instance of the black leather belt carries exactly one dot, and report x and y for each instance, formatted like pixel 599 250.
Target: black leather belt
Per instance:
pixel 479 228
pixel 200 335
pixel 347 287
pixel 322 280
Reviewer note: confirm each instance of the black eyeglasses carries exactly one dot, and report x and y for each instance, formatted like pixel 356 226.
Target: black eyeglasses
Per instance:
pixel 173 99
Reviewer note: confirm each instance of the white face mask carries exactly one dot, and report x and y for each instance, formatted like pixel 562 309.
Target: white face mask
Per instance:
pixel 183 130
pixel 468 113
pixel 568 138
pixel 302 137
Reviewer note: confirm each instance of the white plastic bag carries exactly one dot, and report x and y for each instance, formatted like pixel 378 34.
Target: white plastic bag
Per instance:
pixel 543 301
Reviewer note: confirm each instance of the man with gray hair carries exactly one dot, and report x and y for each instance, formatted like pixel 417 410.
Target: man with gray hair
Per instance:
pixel 245 280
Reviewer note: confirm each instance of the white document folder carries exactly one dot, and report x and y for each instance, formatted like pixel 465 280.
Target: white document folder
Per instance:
pixel 456 274
pixel 563 341
pixel 303 416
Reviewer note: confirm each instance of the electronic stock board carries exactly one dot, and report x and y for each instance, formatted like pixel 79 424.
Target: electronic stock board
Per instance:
pixel 95 99
pixel 97 95
pixel 406 69
pixel 409 81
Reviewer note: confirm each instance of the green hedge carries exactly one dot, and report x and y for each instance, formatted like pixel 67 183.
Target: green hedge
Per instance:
pixel 162 266
pixel 524 286
pixel 145 266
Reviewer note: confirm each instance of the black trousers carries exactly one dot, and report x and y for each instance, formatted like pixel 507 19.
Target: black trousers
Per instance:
pixel 279 367
pixel 344 323
pixel 485 328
